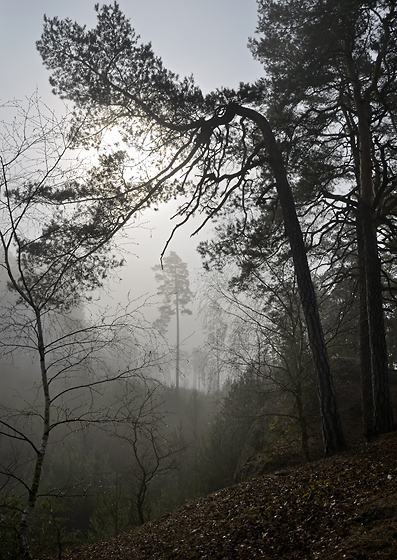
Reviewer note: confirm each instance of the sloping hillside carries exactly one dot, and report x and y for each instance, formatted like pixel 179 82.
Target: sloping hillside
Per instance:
pixel 344 507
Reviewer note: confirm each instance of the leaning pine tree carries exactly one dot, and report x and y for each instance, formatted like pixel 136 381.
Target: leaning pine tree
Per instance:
pixel 331 70
pixel 223 138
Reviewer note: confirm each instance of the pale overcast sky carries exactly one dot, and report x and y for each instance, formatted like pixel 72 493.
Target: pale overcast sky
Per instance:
pixel 206 38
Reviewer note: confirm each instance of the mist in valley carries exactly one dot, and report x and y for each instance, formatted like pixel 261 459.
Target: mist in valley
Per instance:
pixel 202 296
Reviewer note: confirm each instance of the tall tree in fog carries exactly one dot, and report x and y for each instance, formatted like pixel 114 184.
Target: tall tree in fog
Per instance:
pixel 224 140
pixel 173 280
pixel 53 253
pixel 330 72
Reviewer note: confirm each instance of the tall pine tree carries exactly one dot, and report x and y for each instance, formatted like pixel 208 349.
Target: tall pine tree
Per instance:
pixel 331 71
pixel 173 280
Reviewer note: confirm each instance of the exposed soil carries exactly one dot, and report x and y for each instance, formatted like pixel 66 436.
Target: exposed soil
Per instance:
pixel 344 507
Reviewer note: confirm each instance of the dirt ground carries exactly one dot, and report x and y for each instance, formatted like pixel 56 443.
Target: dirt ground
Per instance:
pixel 344 507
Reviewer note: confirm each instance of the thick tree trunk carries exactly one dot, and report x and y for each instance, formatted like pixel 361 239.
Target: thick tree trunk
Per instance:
pixel 331 424
pixel 383 414
pixel 383 421
pixel 365 349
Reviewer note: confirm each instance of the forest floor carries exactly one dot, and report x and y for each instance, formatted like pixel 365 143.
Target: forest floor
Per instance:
pixel 343 507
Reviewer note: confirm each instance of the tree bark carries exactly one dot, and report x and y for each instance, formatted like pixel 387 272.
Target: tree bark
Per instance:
pixel 365 349
pixel 383 421
pixel 331 425
pixel 34 487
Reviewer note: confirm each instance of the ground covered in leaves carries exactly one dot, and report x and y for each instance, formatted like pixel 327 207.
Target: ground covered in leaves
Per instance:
pixel 344 507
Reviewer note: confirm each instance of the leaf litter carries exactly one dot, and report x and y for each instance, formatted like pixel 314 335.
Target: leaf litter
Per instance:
pixel 339 508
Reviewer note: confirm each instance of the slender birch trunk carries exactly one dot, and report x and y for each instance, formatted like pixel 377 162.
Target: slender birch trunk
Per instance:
pixel 41 451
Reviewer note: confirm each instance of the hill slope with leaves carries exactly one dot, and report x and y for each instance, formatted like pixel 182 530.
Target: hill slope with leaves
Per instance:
pixel 343 507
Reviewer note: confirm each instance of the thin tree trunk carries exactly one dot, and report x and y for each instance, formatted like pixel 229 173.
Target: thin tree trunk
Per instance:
pixel 34 487
pixel 141 501
pixel 383 414
pixel 177 337
pixel 331 424
pixel 218 367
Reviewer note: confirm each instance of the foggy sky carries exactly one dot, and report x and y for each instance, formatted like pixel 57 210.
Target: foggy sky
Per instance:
pixel 206 38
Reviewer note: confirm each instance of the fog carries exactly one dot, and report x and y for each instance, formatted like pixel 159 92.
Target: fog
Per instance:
pixel 127 390
pixel 207 40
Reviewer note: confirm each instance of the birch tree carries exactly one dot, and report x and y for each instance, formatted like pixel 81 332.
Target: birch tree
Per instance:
pixel 54 253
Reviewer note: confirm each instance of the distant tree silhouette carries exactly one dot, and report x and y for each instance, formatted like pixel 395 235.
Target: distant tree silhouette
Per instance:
pixel 173 281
